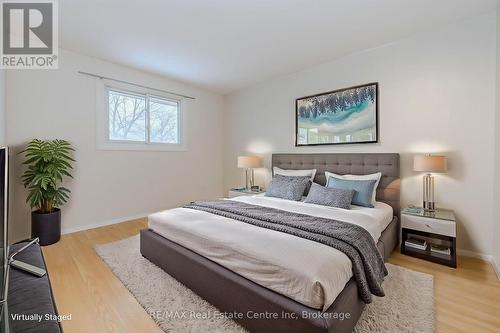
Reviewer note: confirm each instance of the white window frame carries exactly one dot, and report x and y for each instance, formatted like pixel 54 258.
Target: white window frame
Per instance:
pixel 102 125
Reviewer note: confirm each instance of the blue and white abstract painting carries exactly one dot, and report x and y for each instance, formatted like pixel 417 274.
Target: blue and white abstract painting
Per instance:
pixel 342 116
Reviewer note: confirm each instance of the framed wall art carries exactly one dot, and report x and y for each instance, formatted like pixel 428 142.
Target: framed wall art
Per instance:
pixel 344 116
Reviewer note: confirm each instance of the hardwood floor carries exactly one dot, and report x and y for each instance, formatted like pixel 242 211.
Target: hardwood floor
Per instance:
pixel 467 298
pixel 85 287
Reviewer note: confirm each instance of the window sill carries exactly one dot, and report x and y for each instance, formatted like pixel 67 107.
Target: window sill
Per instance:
pixel 122 146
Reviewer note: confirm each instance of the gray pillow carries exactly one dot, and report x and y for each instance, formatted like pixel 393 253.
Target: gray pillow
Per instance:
pixel 288 187
pixel 334 197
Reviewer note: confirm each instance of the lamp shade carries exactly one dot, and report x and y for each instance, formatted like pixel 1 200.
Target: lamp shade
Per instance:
pixel 430 163
pixel 246 162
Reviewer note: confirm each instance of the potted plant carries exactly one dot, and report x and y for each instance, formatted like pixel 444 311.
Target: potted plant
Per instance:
pixel 48 163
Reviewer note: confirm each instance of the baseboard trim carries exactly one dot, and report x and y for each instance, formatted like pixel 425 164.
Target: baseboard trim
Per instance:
pixel 104 223
pixel 496 266
pixel 482 256
pixel 472 254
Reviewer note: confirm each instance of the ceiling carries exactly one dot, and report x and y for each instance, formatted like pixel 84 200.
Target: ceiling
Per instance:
pixel 225 45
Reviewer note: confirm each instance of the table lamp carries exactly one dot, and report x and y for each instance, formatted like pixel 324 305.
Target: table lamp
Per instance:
pixel 249 163
pixel 429 164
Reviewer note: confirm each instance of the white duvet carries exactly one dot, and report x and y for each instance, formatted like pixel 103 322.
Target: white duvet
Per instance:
pixel 305 271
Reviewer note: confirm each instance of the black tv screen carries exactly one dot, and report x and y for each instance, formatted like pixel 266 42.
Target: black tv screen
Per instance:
pixel 4 192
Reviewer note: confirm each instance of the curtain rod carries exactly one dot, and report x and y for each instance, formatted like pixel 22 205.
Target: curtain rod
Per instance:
pixel 133 84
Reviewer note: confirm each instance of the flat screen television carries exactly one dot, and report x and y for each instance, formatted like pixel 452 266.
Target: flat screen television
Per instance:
pixel 6 259
pixel 4 205
pixel 4 249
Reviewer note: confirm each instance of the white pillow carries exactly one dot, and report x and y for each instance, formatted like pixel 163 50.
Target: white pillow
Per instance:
pixel 300 173
pixel 373 176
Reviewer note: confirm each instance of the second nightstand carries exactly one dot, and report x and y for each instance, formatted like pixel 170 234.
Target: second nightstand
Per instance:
pixel 430 236
pixel 238 193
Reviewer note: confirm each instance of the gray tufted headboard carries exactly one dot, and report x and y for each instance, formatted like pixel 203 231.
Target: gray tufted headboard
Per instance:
pixel 356 164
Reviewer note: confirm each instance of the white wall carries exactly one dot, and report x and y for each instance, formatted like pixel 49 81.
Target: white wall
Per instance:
pixel 437 95
pixel 110 185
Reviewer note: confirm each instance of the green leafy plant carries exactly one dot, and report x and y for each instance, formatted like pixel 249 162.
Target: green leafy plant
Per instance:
pixel 48 162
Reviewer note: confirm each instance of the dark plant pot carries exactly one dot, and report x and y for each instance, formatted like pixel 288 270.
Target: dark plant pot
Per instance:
pixel 47 227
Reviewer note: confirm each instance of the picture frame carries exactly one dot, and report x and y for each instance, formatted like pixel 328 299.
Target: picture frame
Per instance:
pixel 343 116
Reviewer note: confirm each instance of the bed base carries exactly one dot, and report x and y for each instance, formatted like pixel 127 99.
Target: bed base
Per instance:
pixel 232 293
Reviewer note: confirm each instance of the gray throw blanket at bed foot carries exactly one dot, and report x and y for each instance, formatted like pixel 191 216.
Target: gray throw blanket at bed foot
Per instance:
pixel 352 240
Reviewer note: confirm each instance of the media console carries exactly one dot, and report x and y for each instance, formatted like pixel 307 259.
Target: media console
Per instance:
pixel 30 303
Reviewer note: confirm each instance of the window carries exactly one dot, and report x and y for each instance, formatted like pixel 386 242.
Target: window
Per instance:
pixel 142 118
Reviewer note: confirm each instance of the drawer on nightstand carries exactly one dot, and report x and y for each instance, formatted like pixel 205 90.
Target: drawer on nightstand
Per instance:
pixel 425 224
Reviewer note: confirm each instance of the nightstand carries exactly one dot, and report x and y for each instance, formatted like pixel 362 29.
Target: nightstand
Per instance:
pixel 430 236
pixel 238 193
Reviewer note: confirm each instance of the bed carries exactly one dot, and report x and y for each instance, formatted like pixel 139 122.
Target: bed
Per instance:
pixel 245 287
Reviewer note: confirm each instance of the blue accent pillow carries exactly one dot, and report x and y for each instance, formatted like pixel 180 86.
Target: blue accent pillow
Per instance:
pixel 363 189
pixel 288 187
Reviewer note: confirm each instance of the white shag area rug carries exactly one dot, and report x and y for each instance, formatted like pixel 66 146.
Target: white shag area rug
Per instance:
pixel 407 307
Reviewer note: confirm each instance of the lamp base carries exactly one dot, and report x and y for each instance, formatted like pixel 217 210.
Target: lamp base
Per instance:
pixel 249 178
pixel 429 206
pixel 428 193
